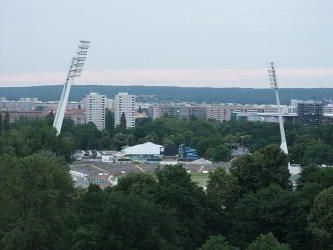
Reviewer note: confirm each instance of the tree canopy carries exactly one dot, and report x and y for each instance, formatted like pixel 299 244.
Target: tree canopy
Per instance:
pixel 267 242
pixel 321 219
pixel 34 196
pixel 267 166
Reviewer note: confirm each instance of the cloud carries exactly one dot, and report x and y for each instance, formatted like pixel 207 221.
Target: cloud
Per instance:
pixel 256 78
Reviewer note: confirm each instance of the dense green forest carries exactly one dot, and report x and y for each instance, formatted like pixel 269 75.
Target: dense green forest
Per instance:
pixel 175 94
pixel 253 207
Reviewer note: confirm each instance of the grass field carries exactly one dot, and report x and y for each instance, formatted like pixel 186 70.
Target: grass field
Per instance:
pixel 200 178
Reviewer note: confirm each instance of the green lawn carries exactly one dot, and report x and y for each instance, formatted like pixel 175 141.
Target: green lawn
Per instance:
pixel 200 178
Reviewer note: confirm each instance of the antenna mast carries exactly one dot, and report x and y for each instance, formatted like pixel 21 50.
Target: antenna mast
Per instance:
pixel 74 71
pixel 274 85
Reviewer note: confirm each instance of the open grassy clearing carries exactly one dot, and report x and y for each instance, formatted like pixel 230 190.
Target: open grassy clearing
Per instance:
pixel 200 178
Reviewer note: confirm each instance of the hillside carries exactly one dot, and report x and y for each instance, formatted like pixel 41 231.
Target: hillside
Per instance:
pixel 199 95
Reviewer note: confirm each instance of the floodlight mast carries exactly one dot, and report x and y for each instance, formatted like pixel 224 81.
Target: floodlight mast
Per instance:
pixel 74 71
pixel 274 84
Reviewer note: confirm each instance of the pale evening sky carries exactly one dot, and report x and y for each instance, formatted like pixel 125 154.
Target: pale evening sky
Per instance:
pixel 217 43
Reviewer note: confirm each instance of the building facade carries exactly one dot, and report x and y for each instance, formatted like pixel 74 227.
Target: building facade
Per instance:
pixel 154 111
pixel 310 112
pixel 328 109
pixel 77 115
pixel 95 105
pixel 177 110
pixel 125 103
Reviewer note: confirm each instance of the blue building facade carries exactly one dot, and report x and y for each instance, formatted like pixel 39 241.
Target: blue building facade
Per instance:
pixel 188 154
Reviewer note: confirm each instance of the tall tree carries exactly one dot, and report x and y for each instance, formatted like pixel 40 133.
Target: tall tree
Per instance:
pixel 244 169
pixel 267 242
pixel 1 123
pixel 109 121
pixel 271 209
pixel 265 167
pixel 273 166
pixel 123 121
pixel 119 140
pixel 86 136
pixel 321 220
pixel 217 243
pixel 140 184
pixel 176 191
pixel 223 187
pixel 318 153
pixel 221 153
pixel 6 125
pixel 67 126
pixel 315 174
pixel 307 175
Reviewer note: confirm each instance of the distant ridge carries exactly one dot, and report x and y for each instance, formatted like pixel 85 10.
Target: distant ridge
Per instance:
pixel 176 94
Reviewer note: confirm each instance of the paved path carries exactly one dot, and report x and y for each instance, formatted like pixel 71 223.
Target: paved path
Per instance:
pixel 140 168
pixel 201 168
pixel 93 166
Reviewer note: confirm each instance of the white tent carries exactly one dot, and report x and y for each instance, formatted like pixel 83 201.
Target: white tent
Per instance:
pixel 147 148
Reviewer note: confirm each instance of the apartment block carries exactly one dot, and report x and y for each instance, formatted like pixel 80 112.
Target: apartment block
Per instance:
pixel 95 105
pixel 310 112
pixel 125 103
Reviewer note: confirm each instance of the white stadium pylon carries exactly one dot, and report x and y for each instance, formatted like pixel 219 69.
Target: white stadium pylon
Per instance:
pixel 74 71
pixel 274 85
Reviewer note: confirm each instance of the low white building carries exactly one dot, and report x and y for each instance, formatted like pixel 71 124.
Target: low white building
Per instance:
pixel 143 151
pixel 111 156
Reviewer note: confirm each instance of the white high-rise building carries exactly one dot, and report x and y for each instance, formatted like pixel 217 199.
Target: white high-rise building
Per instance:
pixel 95 106
pixel 110 104
pixel 125 103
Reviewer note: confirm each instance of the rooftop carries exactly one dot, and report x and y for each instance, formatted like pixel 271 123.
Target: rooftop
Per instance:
pixel 147 148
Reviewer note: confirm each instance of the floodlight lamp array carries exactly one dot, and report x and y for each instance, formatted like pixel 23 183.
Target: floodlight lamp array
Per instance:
pixel 78 61
pixel 272 76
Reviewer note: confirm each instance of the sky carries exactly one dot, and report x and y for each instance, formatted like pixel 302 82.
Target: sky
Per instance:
pixel 200 43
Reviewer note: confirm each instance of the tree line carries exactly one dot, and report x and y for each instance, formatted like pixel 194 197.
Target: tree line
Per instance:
pixel 213 140
pixel 174 94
